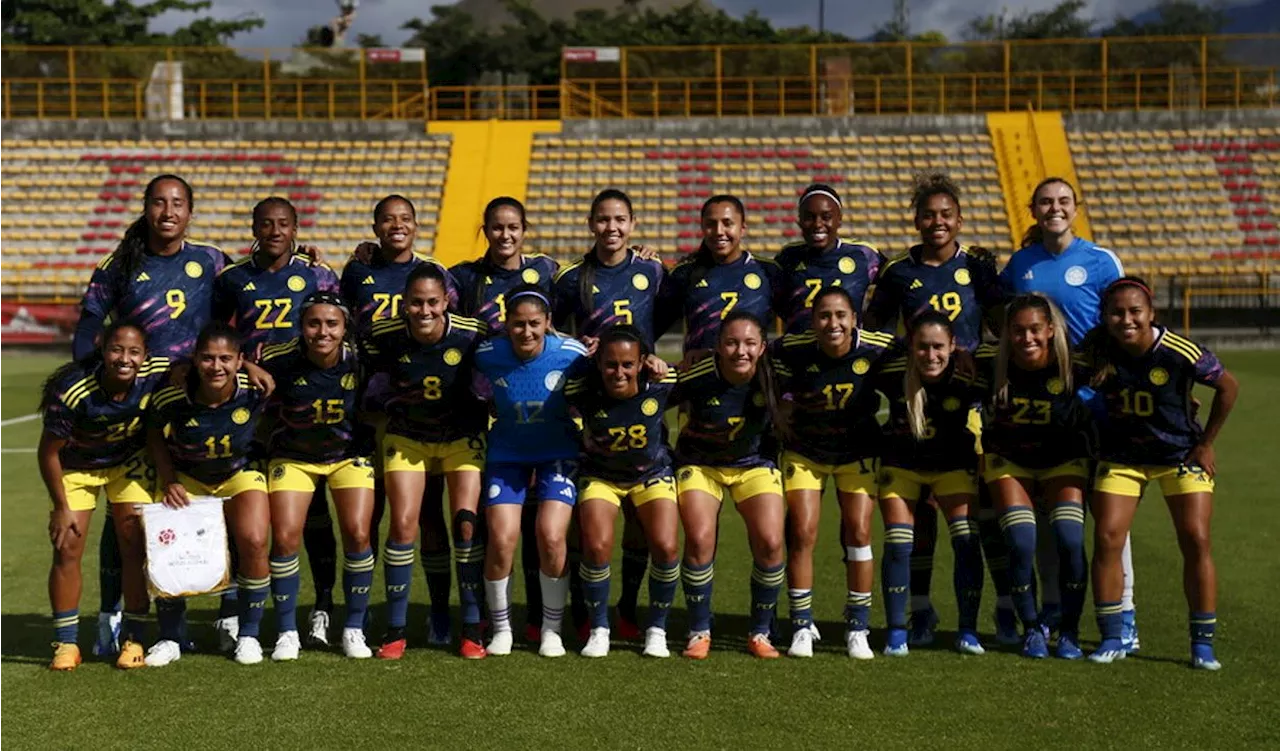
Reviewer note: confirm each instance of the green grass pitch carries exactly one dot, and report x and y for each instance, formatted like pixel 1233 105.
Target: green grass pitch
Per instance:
pixel 434 699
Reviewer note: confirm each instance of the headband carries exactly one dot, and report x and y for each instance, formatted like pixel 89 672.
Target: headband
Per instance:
pixel 1117 284
pixel 529 293
pixel 327 298
pixel 819 192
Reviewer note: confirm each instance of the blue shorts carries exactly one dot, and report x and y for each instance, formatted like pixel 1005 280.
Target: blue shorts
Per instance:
pixel 551 481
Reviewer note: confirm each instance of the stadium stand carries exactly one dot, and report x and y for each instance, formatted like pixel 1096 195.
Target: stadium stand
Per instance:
pixel 66 203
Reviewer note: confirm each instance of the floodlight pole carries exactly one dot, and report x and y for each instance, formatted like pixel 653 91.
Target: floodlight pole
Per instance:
pixel 822 16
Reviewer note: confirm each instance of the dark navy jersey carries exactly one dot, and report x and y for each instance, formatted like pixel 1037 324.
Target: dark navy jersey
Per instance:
pixel 704 295
pixel 964 288
pixel 374 290
pixel 1150 418
pixel 101 432
pixel 834 402
pixel 171 297
pixel 1042 422
pixel 724 425
pixel 626 293
pixel 429 395
pixel 952 421
pixel 807 270
pixel 210 444
pixel 267 305
pixel 624 441
pixel 313 409
pixel 483 287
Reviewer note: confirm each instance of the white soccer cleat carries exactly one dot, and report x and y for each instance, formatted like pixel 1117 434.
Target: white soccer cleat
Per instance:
pixel 801 643
pixel 655 643
pixel 228 630
pixel 248 650
pixel 353 644
pixel 856 645
pixel 597 644
pixel 552 645
pixel 318 631
pixel 501 643
pixel 162 653
pixel 287 647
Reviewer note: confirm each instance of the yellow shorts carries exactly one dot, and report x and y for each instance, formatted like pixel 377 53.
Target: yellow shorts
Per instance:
pixel 998 468
pixel 1129 480
pixel 400 454
pixel 801 473
pixel 741 483
pixel 133 481
pixel 245 479
pixel 658 489
pixel 907 484
pixel 292 475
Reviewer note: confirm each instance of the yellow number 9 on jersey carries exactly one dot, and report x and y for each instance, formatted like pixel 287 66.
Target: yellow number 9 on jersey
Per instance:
pixel 177 300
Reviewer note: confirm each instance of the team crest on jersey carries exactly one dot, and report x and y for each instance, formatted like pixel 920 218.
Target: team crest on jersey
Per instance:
pixel 861 366
pixel 1076 275
pixel 277 472
pixel 951 404
pixel 686 474
pixel 791 471
pixel 297 283
pixel 193 269
pixel 495 490
pixel 240 416
pixel 752 281
pixel 349 381
pixel 847 265
pixel 649 407
pixel 554 380
pixel 640 282
pixel 1055 386
pixel 757 399
pixel 452 356
pixel 962 277
pixel 530 276
pixel 1159 376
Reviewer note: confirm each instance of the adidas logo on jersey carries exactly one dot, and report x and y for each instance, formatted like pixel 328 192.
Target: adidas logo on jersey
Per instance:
pixel 702 283
pixel 301 381
pixel 595 290
pixel 249 287
pixel 500 383
pixel 800 266
pixel 193 423
pixel 405 358
pixel 601 415
pixel 1029 275
pixel 916 284
pixel 714 402
pixel 814 369
pixel 368 280
pixel 143 277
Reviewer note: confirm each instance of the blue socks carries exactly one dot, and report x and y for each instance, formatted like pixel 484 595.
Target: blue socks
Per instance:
pixel 1019 525
pixel 634 563
pixel 468 556
pixel 1073 573
pixel 110 582
pixel 766 583
pixel 66 626
pixel 357 580
pixel 697 595
pixel 252 603
pixel 134 626
pixel 662 590
pixel 1110 623
pixel 1203 626
pixel 968 570
pixel 284 589
pixel 171 614
pixel 896 572
pixel 800 603
pixel 857 611
pixel 398 571
pixel 595 590
pixel 439 581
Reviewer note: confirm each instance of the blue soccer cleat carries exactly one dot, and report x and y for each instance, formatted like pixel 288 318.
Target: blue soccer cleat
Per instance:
pixel 1034 644
pixel 1129 631
pixel 1108 652
pixel 896 645
pixel 1202 657
pixel 967 643
pixel 1069 646
pixel 1007 627
pixel 923 625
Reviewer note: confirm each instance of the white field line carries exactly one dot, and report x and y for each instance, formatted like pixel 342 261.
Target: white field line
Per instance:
pixel 17 420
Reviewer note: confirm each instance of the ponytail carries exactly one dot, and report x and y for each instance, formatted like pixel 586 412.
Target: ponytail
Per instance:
pixel 133 246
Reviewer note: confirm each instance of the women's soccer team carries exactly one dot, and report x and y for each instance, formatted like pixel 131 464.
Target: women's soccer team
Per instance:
pixel 534 394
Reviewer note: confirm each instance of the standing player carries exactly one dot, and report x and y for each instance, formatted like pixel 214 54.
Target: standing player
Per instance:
pixel 93 439
pixel 934 425
pixel 625 461
pixel 1072 272
pixel 315 434
pixel 484 290
pixel 263 295
pixel 532 440
pixel 435 427
pixel 943 275
pixel 727 445
pixel 1144 374
pixel 718 279
pixel 613 284
pixel 200 435
pixel 821 260
pixel 164 283
pixel 1036 449
pixel 372 285
pixel 826 374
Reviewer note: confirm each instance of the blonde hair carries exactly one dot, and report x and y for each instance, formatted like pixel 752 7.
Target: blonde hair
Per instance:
pixel 1061 345
pixel 912 387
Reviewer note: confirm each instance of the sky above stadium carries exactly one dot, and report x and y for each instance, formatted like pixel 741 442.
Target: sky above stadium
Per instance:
pixel 288 19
